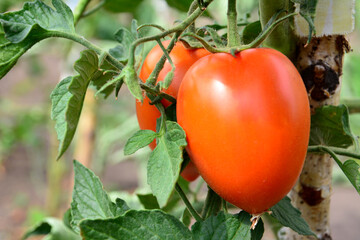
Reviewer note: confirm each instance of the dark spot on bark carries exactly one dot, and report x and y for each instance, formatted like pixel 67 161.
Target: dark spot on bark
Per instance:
pixel 310 195
pixel 326 237
pixel 320 80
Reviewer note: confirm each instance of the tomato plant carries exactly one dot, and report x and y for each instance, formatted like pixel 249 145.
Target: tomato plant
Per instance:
pixel 248 144
pixel 146 113
pixel 243 118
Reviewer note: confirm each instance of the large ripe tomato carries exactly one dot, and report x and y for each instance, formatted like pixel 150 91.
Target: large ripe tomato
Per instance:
pixel 247 121
pixel 147 114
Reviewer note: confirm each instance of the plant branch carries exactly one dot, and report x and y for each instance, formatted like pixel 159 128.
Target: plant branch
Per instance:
pixel 339 151
pixel 187 203
pixel 233 35
pixel 212 204
pixel 194 5
pixel 94 9
pixel 352 104
pixel 259 39
pixel 79 10
pixel 86 43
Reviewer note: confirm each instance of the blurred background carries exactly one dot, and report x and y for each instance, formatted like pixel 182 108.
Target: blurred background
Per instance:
pixel 33 185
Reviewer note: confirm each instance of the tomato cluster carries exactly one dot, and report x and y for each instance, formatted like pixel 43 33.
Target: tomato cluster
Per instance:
pixel 147 114
pixel 246 118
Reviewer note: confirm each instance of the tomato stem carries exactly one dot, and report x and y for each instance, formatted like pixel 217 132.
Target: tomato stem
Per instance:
pixel 79 10
pixel 212 205
pixel 233 35
pixel 270 26
pixel 94 9
pixel 187 203
pixel 339 151
pixel 282 38
pixel 192 8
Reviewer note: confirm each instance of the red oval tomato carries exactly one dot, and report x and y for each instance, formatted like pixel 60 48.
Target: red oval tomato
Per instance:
pixel 247 121
pixel 147 114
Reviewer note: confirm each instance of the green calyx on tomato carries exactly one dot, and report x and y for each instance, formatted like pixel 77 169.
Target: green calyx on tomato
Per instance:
pixel 247 122
pixel 147 114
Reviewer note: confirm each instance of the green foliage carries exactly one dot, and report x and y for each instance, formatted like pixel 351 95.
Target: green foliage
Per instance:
pixel 165 162
pixel 33 21
pixel 250 32
pixel 54 229
pixel 90 201
pixel 290 217
pixel 68 97
pixel 140 139
pixel 351 169
pixel 136 225
pixel 28 26
pixel 330 127
pixel 224 226
pixel 118 6
pixel 11 52
pixel 182 5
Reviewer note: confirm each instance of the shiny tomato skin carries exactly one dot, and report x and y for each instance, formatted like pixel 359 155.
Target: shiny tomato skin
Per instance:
pixel 183 58
pixel 247 122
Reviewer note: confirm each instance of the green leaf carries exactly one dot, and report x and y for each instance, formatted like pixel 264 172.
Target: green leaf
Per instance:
pixel 186 217
pixel 330 127
pixel 125 39
pixel 37 20
pixel 140 139
pixel 68 97
pixel 258 232
pixel 136 225
pixel 165 162
pixel 351 169
pixel 290 216
pixel 219 42
pixel 54 229
pixel 11 52
pixel 223 226
pixel 90 201
pixel 182 5
pixel 24 28
pixel 122 5
pixel 250 32
pixel 148 201
pixel 101 77
pixel 132 82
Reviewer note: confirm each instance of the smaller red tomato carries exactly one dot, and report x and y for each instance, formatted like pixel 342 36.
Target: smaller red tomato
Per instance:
pixel 147 114
pixel 190 172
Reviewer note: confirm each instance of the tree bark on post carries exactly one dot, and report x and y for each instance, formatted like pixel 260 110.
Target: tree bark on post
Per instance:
pixel 320 65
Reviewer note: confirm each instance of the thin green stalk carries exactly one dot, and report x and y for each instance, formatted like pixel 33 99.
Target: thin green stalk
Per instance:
pixel 266 32
pixel 86 43
pixel 165 53
pixel 339 151
pixel 282 38
pixel 157 92
pixel 352 104
pixel 94 9
pixel 79 9
pixel 212 204
pixel 233 35
pixel 151 25
pixel 160 64
pixel 187 203
pixel 192 8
